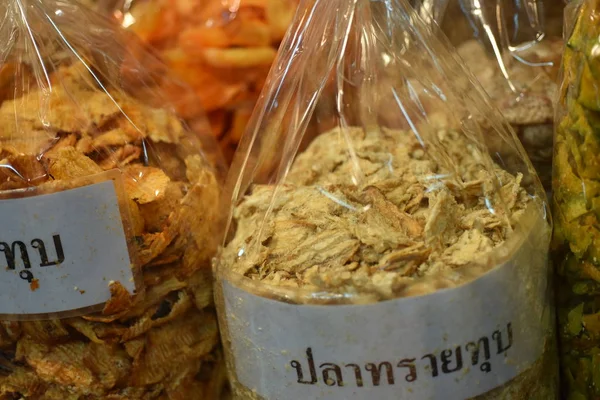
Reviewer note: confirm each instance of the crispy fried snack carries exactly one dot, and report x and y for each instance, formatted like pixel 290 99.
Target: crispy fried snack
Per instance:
pixel 576 198
pixel 222 49
pixel 162 343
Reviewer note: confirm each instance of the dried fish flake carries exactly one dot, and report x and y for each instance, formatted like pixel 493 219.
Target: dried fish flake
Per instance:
pixel 409 216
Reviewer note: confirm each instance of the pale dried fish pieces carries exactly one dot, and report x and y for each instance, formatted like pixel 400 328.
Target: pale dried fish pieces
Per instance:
pixel 166 155
pixel 140 326
pixel 406 258
pixel 163 126
pixel 68 163
pixel 156 213
pixel 49 331
pixel 469 243
pixel 55 392
pixel 201 287
pixel 60 142
pixel 134 393
pixel 442 222
pixel 120 299
pixel 175 344
pixel 121 157
pixel 408 216
pixel 62 364
pixel 159 125
pixel 145 184
pixel 154 295
pixel 22 381
pixel 138 224
pixel 167 310
pixel 398 219
pixel 198 213
pixel 86 328
pixel 197 170
pixel 115 137
pixel 12 328
pixel 181 381
pixel 109 364
pixel 152 245
pixel 100 109
pixel 134 348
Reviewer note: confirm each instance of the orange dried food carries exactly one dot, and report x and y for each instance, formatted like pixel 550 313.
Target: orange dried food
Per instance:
pixel 71 125
pixel 222 49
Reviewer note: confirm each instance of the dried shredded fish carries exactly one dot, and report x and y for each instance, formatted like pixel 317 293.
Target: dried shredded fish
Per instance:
pixel 408 219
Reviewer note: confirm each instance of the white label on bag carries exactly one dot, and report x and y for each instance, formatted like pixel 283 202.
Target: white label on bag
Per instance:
pixel 452 344
pixel 60 251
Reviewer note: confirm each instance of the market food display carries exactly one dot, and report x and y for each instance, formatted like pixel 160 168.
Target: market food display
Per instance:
pixel 69 126
pixel 353 252
pixel 222 49
pixel 575 196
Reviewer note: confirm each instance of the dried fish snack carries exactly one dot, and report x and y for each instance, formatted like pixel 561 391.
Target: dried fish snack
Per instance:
pixel 575 203
pixel 400 251
pixel 109 206
pixel 513 47
pixel 222 48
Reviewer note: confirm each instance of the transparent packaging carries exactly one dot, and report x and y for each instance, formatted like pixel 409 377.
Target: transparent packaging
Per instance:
pixel 223 49
pixel 388 237
pixel 575 203
pixel 109 212
pixel 513 47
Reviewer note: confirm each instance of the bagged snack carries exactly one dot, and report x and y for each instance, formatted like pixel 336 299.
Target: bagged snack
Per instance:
pixel 222 48
pixel 109 209
pixel 400 251
pixel 576 203
pixel 513 47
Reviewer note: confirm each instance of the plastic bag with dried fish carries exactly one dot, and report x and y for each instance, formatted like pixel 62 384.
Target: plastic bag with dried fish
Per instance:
pixel 576 203
pixel 398 251
pixel 109 210
pixel 222 48
pixel 514 48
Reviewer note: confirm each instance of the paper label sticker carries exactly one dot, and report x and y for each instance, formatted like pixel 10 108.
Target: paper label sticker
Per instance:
pixel 452 344
pixel 59 251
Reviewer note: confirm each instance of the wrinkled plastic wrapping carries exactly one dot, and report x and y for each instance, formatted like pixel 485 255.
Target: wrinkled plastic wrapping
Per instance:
pixel 514 50
pixel 222 48
pixel 109 207
pixel 575 202
pixel 381 208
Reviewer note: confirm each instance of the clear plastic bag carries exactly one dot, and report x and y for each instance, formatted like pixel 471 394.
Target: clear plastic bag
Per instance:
pixel 513 47
pixel 222 48
pixel 388 237
pixel 109 213
pixel 575 203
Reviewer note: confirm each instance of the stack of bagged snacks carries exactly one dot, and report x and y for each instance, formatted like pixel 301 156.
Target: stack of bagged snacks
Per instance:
pixel 514 50
pixel 576 206
pixel 222 49
pixel 401 253
pixel 109 211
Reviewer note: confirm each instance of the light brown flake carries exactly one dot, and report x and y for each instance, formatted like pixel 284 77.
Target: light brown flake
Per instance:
pixel 68 163
pixel 145 184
